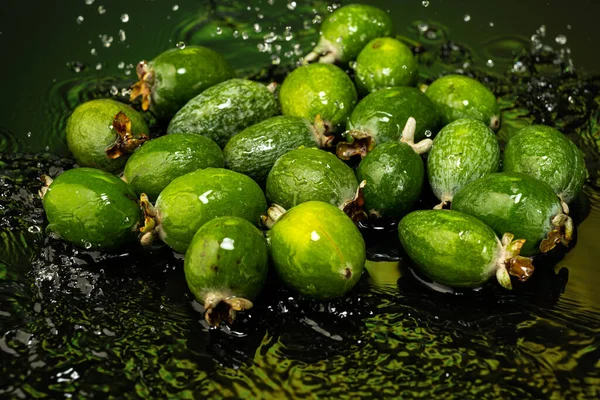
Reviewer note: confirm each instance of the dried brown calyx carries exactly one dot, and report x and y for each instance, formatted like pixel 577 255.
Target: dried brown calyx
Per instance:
pixel 511 263
pixel 125 143
pixel 273 214
pixel 562 231
pixel 354 208
pixel 221 307
pixel 47 182
pixel 148 230
pixel 322 131
pixel 360 145
pixel 143 87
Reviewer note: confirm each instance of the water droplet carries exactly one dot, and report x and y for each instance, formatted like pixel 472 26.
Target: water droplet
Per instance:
pixel 93 52
pixel 101 10
pixel 423 26
pixel 98 66
pixel 114 90
pixel 122 36
pixel 124 18
pixel 275 59
pixel 34 229
pixel 245 35
pixel 180 45
pixel 465 103
pixel 219 30
pixel 314 236
pixel 287 33
pixel 79 19
pixel 519 67
pixel 291 5
pixel 490 63
pixel 89 2
pixel 257 28
pixel 428 133
pixel 492 24
pixel 106 40
pixel 28 134
pixel 87 245
pixel 425 3
pixel 175 7
pixel 561 39
pixel 227 244
pixel 467 18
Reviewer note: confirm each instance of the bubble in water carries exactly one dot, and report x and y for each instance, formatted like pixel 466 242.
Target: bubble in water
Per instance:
pixel 291 5
pixel 122 36
pixel 79 19
pixel 425 3
pixel 490 63
pixel 175 7
pixel 101 10
pixel 180 45
pixel 124 18
pixel 467 18
pixel 561 39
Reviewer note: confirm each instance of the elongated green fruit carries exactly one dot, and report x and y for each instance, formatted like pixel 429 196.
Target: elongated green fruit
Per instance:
pixel 520 204
pixel 226 267
pixel 460 251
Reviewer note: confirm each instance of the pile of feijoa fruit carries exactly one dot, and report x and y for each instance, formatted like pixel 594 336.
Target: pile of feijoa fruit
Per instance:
pixel 250 177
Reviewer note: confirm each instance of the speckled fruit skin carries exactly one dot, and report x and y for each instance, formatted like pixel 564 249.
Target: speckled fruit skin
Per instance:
pixel 317 250
pixel 462 152
pixel 348 29
pixel 191 200
pixel 89 133
pixel 228 255
pixel 254 150
pixel 458 96
pixel 383 114
pixel 394 173
pixel 385 62
pixel 450 247
pixel 155 164
pixel 182 74
pixel 92 209
pixel 310 174
pixel 224 110
pixel 511 202
pixel 318 89
pixel 550 156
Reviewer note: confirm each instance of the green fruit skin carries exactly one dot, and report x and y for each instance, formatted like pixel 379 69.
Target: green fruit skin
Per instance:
pixel 385 62
pixel 458 96
pixel 89 133
pixel 181 74
pixel 550 156
pixel 224 110
pixel 191 200
pixel 384 113
pixel 462 152
pixel 348 29
pixel 450 247
pixel 92 209
pixel 318 89
pixel 317 250
pixel 227 255
pixel 155 164
pixel 307 174
pixel 511 202
pixel 394 173
pixel 254 150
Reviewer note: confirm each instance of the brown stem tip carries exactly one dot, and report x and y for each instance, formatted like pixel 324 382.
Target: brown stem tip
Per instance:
pixel 322 131
pixel 148 230
pixel 360 144
pixel 47 182
pixel 562 233
pixel 143 87
pixel 511 263
pixel 125 143
pixel 354 208
pixel 273 214
pixel 219 308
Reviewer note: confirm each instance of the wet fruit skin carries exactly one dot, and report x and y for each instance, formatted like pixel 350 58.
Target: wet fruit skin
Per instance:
pixel 155 164
pixel 450 247
pixel 382 115
pixel 317 250
pixel 458 96
pixel 385 62
pixel 92 209
pixel 193 199
pixel 178 75
pixel 394 175
pixel 224 110
pixel 462 152
pixel 318 89
pixel 308 174
pixel 511 202
pixel 347 30
pixel 89 133
pixel 254 150
pixel 227 255
pixel 545 153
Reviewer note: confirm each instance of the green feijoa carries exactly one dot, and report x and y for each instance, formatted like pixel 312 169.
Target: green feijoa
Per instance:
pixel 520 204
pixel 254 150
pixel 458 250
pixel 226 267
pixel 102 133
pixel 224 110
pixel 307 174
pixel 317 250
pixel 385 62
pixel 547 154
pixel 193 199
pixel 463 151
pixel 153 166
pixel 393 173
pixel 318 90
pixel 91 208
pixel 382 115
pixel 458 96
pixel 347 30
pixel 177 75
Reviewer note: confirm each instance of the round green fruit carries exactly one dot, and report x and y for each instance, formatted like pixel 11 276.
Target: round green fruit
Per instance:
pixel 548 155
pixel 321 90
pixel 317 250
pixel 177 75
pixel 91 209
pixel 153 166
pixel 226 267
pixel 102 133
